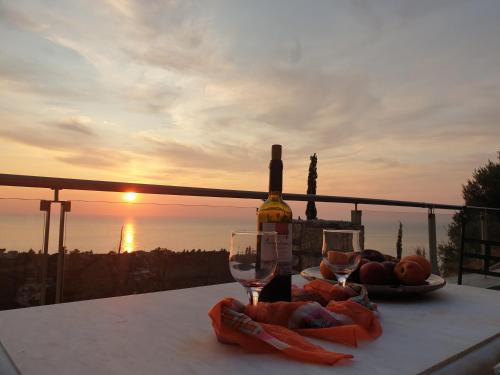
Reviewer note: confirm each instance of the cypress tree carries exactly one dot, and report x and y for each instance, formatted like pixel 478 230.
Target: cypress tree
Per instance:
pixel 311 212
pixel 399 243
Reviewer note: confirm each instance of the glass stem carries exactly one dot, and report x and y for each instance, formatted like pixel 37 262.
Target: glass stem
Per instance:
pixel 342 280
pixel 253 295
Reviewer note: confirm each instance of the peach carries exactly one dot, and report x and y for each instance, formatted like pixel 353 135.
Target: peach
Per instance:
pixel 410 273
pixel 326 272
pixel 372 273
pixel 422 261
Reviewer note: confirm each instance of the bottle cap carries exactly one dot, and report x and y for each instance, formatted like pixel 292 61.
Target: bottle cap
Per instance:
pixel 276 152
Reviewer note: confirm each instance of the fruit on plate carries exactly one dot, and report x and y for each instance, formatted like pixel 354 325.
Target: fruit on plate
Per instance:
pixel 354 277
pixel 390 258
pixel 390 277
pixel 375 268
pixel 373 255
pixel 326 272
pixel 372 273
pixel 410 273
pixel 422 261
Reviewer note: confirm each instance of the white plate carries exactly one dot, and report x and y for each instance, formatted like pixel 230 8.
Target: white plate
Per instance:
pixel 433 282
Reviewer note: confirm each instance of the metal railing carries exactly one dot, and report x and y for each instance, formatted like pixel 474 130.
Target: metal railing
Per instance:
pixel 58 184
pixel 484 243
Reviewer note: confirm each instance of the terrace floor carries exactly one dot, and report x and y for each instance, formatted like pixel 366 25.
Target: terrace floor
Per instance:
pixel 477 280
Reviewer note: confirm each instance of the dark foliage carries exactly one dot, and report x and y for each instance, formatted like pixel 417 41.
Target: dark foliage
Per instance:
pixel 483 190
pixel 484 187
pixel 90 276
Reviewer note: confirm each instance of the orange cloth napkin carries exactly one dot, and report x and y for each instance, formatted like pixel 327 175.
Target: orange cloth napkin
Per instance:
pixel 280 326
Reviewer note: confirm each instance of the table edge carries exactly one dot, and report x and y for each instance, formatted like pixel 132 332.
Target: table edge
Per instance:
pixel 459 356
pixel 7 365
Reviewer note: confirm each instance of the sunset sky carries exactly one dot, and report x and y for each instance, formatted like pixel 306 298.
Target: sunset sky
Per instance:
pixel 399 99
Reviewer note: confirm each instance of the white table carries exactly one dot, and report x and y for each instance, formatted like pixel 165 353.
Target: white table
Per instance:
pixel 452 330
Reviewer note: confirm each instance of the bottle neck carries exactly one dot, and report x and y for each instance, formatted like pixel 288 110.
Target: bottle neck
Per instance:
pixel 275 177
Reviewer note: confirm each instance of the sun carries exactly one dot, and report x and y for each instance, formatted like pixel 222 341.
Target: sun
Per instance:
pixel 130 196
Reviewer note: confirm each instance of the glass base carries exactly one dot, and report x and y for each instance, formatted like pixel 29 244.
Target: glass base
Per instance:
pixel 253 295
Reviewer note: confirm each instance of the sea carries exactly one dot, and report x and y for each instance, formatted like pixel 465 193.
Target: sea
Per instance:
pixel 104 228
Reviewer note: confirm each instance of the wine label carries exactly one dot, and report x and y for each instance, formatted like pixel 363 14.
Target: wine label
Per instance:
pixel 284 231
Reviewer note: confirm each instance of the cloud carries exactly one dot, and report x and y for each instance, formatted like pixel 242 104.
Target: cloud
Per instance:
pixel 93 157
pixel 296 52
pixel 382 162
pixel 54 134
pixel 153 97
pixel 170 35
pixel 200 90
pixel 34 136
pixel 79 125
pixel 123 7
pixel 20 19
pixel 420 9
pixel 214 156
pixel 60 73
pixel 303 107
pixel 68 145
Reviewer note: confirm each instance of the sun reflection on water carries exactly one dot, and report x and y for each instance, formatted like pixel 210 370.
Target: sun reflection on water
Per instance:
pixel 128 238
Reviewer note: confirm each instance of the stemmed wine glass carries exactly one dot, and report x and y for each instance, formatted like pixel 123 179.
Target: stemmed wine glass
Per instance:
pixel 253 259
pixel 341 252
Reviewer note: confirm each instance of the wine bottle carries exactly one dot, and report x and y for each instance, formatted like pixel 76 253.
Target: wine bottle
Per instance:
pixel 275 215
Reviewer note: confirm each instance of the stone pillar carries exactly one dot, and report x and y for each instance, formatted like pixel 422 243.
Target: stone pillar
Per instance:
pixel 356 216
pixel 307 239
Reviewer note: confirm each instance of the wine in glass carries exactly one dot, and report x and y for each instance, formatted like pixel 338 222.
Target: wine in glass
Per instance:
pixel 253 259
pixel 341 252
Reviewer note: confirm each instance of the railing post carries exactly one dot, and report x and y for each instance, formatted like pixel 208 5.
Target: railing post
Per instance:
pixel 463 223
pixel 65 207
pixel 483 220
pixel 431 220
pixel 45 206
pixel 356 219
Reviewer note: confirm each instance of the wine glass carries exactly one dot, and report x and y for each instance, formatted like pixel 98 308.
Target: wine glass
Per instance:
pixel 341 252
pixel 253 260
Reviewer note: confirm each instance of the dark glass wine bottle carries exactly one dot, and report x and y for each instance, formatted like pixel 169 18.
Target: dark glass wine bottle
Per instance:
pixel 275 215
